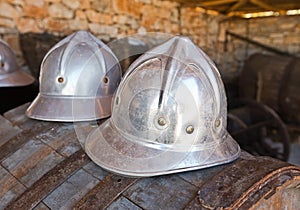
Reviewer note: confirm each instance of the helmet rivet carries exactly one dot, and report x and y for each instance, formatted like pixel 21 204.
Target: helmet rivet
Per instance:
pixel 162 121
pixel 189 129
pixel 60 79
pixel 105 80
pixel 218 123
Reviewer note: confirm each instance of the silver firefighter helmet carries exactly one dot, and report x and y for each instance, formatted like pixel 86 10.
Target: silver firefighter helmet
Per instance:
pixel 78 78
pixel 169 115
pixel 11 74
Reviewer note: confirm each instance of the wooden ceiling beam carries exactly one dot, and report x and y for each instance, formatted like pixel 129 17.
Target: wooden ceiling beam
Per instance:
pixel 236 6
pixel 215 2
pixel 263 5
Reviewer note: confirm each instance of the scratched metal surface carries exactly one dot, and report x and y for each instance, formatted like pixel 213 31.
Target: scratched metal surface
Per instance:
pixel 42 166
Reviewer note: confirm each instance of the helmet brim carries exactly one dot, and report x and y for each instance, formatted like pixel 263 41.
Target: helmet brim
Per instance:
pixel 16 78
pixel 114 152
pixel 69 109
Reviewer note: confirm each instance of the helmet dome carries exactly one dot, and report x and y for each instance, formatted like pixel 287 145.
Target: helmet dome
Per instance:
pixel 78 78
pixel 10 73
pixel 169 115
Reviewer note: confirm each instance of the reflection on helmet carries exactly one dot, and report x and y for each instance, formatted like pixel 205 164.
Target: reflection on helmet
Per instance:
pixel 78 78
pixel 10 73
pixel 169 115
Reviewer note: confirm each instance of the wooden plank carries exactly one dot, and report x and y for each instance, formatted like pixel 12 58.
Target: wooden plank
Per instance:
pixel 10 187
pixel 17 117
pixel 169 192
pixel 215 2
pixel 264 5
pixel 284 197
pixel 41 206
pixel 199 178
pixel 78 183
pixel 237 5
pixel 205 3
pixel 40 189
pixel 20 156
pixel 124 204
pixel 42 167
pixel 102 195
pixel 234 185
pixel 194 205
pixel 95 170
pixel 63 139
pixel 71 191
pixel 22 138
pixel 31 161
pixel 7 130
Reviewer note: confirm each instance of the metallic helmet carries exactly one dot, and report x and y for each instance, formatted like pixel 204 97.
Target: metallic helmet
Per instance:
pixel 10 73
pixel 78 78
pixel 169 115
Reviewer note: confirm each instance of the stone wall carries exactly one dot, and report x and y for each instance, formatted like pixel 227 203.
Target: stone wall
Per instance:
pixel 228 52
pixel 106 19
pixel 111 19
pixel 279 33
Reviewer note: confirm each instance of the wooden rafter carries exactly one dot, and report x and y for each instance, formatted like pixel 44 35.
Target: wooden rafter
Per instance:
pixel 216 2
pixel 241 7
pixel 264 5
pixel 236 6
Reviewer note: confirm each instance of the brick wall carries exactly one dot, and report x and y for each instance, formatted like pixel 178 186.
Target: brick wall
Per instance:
pixel 110 19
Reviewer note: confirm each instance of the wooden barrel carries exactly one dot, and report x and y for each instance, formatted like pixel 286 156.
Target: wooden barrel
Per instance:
pixel 289 95
pixel 275 81
pixel 43 166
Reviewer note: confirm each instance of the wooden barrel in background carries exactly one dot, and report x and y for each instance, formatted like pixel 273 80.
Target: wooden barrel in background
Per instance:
pixel 275 81
pixel 43 166
pixel 289 95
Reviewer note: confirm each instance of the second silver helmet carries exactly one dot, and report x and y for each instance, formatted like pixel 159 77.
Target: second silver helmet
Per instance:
pixel 10 73
pixel 78 78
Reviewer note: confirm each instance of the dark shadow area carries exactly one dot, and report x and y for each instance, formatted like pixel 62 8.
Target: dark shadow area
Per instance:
pixel 12 97
pixel 264 105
